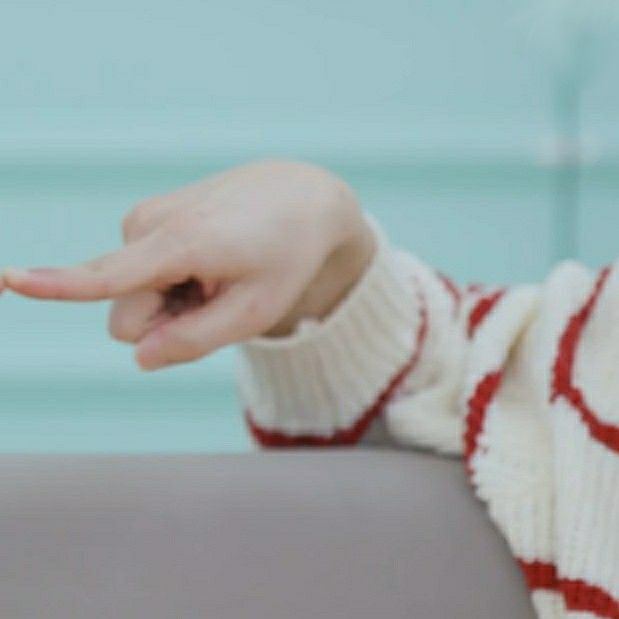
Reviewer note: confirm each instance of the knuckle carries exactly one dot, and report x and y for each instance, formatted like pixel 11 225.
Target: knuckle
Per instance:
pixel 181 346
pixel 128 226
pixel 145 207
pixel 137 220
pixel 119 326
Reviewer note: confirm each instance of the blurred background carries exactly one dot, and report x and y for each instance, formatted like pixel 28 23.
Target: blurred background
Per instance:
pixel 483 134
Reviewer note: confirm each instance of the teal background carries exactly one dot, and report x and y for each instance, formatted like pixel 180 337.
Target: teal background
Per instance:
pixel 441 115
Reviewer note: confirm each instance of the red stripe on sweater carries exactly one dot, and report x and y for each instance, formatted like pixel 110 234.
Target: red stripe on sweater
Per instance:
pixel 452 289
pixel 583 597
pixel 481 309
pixel 478 405
pixel 352 434
pixel 539 575
pixel 578 595
pixel 563 370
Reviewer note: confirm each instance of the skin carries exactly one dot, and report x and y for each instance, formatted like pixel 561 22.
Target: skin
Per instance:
pixel 242 254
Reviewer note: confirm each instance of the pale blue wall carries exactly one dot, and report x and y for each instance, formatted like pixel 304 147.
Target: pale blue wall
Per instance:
pixel 442 74
pixel 244 54
pixel 438 113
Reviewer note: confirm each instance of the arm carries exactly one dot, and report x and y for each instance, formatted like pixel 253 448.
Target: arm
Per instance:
pixel 395 332
pixel 278 255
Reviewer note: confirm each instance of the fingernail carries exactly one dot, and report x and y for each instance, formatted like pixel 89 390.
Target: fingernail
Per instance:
pixel 12 274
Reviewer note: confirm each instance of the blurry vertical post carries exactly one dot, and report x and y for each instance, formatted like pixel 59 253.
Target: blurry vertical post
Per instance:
pixel 566 99
pixel 570 35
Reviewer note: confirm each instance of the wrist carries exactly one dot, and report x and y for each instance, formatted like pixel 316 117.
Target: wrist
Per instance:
pixel 341 270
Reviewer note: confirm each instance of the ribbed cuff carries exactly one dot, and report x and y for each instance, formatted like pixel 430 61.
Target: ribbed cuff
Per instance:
pixel 326 376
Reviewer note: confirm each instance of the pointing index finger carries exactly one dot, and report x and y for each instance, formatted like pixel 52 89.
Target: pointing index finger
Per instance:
pixel 134 266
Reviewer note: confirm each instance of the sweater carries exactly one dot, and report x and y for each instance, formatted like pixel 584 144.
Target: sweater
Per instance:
pixel 519 381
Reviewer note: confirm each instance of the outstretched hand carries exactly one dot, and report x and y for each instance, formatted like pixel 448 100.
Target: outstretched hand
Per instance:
pixel 241 254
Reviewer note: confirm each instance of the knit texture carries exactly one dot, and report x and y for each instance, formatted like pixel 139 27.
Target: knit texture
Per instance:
pixel 521 382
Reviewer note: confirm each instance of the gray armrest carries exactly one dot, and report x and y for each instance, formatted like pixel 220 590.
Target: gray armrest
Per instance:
pixel 323 534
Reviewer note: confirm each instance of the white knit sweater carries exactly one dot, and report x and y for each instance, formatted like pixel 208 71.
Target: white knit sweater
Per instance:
pixel 523 382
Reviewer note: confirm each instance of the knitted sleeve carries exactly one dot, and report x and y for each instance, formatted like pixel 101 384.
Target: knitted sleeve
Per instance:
pixel 330 382
pixel 543 437
pixel 585 430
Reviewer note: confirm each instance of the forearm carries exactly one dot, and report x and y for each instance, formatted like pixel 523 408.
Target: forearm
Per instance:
pixel 331 379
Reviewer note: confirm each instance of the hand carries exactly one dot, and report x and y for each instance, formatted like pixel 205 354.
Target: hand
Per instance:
pixel 244 253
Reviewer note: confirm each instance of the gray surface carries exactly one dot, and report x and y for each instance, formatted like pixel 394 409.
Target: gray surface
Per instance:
pixel 338 534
